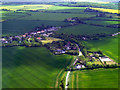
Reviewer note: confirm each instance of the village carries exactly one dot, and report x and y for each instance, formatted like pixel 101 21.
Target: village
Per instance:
pixel 28 39
pixel 65 44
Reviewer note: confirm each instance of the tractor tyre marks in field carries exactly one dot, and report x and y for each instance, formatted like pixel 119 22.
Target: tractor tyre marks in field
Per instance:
pixel 77 80
pixel 58 78
pixel 73 80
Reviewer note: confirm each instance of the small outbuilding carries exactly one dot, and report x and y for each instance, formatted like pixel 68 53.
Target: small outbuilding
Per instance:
pixel 104 59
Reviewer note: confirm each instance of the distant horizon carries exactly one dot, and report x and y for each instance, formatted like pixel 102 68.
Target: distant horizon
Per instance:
pixel 59 0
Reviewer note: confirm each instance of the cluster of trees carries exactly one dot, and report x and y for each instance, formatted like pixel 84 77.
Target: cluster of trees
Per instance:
pixel 27 10
pixel 55 12
pixel 82 48
pixel 89 65
pixel 83 60
pixel 5 9
pixel 74 19
pixel 114 26
pixel 82 5
pixel 61 45
pixel 32 44
pixel 75 38
pixel 57 44
pixel 41 27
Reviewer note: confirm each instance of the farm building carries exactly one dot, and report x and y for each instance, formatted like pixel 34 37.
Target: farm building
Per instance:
pixel 79 66
pixel 59 51
pixel 39 38
pixel 104 59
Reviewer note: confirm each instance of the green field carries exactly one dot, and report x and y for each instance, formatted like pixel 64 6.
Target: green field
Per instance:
pixel 75 12
pixel 31 67
pixel 64 7
pixel 11 15
pixel 109 46
pixel 53 16
pixel 102 22
pixel 23 26
pixel 37 67
pixel 99 78
pixel 105 18
pixel 87 29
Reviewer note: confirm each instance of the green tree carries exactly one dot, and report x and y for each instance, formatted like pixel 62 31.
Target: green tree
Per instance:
pixel 84 51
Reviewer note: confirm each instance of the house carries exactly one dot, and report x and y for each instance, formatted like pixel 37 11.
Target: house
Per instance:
pixel 59 51
pixel 33 33
pixel 83 38
pixel 49 34
pixel 115 34
pixel 29 36
pixel 3 39
pixel 39 38
pixel 63 52
pixel 23 35
pixel 79 66
pixel 68 48
pixel 69 19
pixel 104 59
pixel 10 38
pixel 101 15
pixel 93 57
pixel 74 48
pixel 42 31
pixel 45 35
pixel 90 10
pixel 38 32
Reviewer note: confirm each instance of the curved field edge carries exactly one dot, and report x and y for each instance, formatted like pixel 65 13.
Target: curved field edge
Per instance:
pixel 31 67
pixel 99 78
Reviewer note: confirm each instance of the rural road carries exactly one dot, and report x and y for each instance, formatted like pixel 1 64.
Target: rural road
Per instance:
pixel 67 77
pixel 80 53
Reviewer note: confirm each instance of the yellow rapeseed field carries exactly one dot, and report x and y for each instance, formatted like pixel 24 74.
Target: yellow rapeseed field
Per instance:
pixel 26 7
pixel 107 10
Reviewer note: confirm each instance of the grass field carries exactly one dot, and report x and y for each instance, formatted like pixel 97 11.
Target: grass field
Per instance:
pixel 83 29
pixel 38 7
pixel 109 46
pixel 23 26
pixel 31 67
pixel 64 7
pixel 105 18
pixel 102 22
pixel 37 67
pixel 53 16
pixel 36 15
pixel 100 78
pixel 11 15
pixel 50 40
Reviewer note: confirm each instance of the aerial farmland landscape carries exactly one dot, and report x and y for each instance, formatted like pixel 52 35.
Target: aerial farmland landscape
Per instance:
pixel 60 44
